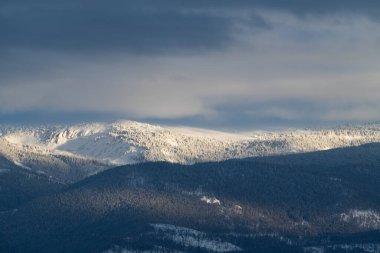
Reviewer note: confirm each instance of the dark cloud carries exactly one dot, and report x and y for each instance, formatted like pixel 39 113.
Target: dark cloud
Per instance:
pixel 300 7
pixel 144 26
pixel 275 114
pixel 105 27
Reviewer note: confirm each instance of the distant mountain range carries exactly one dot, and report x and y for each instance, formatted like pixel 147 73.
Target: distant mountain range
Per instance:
pixel 71 153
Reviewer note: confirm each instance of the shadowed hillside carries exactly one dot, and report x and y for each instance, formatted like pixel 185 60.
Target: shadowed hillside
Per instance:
pixel 291 203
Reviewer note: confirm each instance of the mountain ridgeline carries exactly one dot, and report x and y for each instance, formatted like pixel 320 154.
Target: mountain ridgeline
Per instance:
pixel 324 201
pixel 71 153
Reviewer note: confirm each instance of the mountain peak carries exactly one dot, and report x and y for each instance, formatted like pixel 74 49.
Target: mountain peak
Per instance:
pixel 128 142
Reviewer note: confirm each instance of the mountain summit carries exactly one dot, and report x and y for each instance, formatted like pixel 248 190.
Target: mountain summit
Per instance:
pixel 78 151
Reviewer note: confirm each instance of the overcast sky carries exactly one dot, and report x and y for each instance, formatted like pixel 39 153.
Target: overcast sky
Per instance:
pixel 229 64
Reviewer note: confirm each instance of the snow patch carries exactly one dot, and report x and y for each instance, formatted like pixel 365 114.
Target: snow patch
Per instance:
pixel 364 247
pixel 22 138
pixel 368 219
pixel 22 165
pixel 237 209
pixel 211 200
pixel 118 249
pixel 314 250
pixel 193 238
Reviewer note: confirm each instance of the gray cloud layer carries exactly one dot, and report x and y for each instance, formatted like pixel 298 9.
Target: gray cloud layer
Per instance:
pixel 144 26
pixel 216 62
pixel 131 26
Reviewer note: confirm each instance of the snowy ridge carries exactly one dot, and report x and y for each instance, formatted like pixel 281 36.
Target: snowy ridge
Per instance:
pixel 128 142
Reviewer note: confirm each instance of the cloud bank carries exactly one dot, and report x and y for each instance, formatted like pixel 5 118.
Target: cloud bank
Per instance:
pixel 232 64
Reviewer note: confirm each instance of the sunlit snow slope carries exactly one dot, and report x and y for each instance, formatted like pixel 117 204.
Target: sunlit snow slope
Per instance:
pixel 81 150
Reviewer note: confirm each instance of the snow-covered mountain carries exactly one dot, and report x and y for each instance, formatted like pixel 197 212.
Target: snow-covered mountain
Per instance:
pixel 74 152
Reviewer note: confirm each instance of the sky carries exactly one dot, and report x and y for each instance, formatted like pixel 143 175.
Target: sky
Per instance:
pixel 226 64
